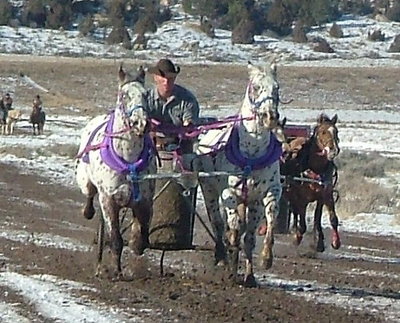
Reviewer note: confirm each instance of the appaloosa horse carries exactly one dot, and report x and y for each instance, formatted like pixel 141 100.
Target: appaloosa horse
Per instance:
pixel 312 159
pixel 249 149
pixel 114 150
pixel 37 118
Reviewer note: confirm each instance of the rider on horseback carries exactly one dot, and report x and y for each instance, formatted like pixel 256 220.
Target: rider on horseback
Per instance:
pixel 37 102
pixel 5 106
pixel 8 101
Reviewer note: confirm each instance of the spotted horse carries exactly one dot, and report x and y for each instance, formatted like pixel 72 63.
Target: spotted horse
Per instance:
pixel 250 152
pixel 114 150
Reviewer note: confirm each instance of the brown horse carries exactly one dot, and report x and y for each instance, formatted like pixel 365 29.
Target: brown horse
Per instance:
pixel 312 159
pixel 37 118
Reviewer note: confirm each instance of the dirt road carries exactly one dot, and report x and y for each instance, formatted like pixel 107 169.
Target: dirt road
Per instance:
pixel 47 254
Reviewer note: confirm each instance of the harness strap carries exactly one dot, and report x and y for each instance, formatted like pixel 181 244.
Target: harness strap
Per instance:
pixel 84 154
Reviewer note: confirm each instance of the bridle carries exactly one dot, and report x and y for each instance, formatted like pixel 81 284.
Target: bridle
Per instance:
pixel 256 104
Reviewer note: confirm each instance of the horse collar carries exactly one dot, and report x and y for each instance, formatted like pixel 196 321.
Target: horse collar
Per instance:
pixel 235 157
pixel 116 162
pixel 119 164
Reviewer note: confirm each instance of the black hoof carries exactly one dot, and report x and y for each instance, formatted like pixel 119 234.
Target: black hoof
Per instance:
pixel 250 282
pixel 89 212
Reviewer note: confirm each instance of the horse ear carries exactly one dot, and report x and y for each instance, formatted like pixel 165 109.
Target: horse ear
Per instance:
pixel 253 70
pixel 334 119
pixel 141 75
pixel 320 118
pixel 121 73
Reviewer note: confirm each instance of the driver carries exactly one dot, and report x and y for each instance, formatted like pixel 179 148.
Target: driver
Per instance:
pixel 170 103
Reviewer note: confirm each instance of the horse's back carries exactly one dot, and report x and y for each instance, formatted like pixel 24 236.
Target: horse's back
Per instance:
pixel 213 140
pixel 14 114
pixel 37 117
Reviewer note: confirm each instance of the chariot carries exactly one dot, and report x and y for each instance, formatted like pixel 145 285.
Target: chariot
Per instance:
pixel 236 163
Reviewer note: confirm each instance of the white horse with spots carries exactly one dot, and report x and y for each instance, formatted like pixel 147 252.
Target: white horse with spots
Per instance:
pixel 114 150
pixel 250 149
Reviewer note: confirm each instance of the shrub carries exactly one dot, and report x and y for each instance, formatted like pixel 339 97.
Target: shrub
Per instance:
pixel 207 27
pixel 243 33
pixel 395 45
pixel 86 26
pixel 299 34
pixel 376 35
pixel 336 31
pixel 34 13
pixel 5 12
pixel 164 14
pixel 323 46
pixel 393 13
pixel 358 193
pixel 119 34
pixel 140 42
pixel 145 24
pixel 280 18
pixel 60 14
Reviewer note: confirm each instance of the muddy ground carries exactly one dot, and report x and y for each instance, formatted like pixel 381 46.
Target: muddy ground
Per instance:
pixel 338 286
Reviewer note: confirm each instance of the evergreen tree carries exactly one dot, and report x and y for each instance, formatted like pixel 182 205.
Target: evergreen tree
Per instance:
pixel 5 12
pixel 34 12
pixel 60 14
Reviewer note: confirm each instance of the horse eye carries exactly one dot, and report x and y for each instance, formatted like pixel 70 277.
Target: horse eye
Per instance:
pixel 256 88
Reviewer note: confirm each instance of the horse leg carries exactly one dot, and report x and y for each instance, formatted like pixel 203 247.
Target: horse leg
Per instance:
pixel 139 239
pixel 300 226
pixel 110 212
pixel 89 210
pixel 271 211
pixel 330 205
pixel 87 188
pixel 318 233
pixel 254 217
pixel 234 227
pixel 211 195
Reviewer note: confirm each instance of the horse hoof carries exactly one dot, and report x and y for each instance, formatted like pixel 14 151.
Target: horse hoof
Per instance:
pixel 336 244
pixel 88 212
pixel 262 230
pixel 250 282
pixel 266 263
pixel 320 247
pixel 297 238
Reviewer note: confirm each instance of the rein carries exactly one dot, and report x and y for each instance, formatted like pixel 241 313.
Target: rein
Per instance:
pixel 192 131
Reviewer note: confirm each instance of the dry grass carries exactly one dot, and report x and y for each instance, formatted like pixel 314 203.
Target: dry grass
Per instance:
pixel 91 84
pixel 358 191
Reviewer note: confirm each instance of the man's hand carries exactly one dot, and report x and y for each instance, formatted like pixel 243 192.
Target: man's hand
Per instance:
pixel 187 123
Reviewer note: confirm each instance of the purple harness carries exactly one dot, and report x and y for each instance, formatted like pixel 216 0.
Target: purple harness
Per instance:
pixel 116 162
pixel 232 152
pixel 235 157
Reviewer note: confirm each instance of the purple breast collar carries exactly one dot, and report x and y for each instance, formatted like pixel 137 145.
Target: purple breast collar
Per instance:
pixel 119 164
pixel 233 154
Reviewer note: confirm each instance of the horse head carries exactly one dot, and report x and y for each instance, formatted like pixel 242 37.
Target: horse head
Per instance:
pixel 326 136
pixel 279 132
pixel 262 96
pixel 132 100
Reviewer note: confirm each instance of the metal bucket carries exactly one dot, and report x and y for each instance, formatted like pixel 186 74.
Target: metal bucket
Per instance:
pixel 173 211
